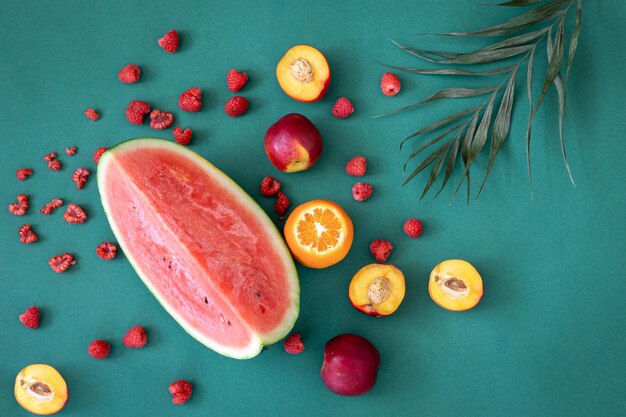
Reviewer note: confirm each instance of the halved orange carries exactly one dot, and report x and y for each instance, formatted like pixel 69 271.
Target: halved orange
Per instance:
pixel 319 233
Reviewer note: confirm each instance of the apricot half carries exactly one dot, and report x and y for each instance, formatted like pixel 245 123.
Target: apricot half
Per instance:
pixel 455 285
pixel 40 389
pixel 303 73
pixel 377 289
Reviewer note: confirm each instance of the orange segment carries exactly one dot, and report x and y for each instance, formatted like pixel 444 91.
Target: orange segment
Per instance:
pixel 319 233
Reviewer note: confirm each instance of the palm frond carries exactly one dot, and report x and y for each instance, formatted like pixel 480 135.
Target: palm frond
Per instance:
pixel 472 128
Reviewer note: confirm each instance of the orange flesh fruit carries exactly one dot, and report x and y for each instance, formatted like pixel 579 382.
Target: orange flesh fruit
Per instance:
pixel 303 73
pixel 40 389
pixel 377 289
pixel 455 285
pixel 319 233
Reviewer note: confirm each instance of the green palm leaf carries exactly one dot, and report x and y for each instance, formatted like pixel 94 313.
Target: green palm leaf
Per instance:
pixel 471 128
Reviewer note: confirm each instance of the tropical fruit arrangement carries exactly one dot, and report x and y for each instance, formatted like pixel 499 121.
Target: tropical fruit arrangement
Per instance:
pixel 213 258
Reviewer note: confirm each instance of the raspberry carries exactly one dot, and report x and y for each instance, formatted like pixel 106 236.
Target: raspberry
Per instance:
pixel 135 338
pixel 75 214
pixel 23 173
pixel 282 204
pixel 169 41
pixel 60 263
pixel 191 100
pixel 343 108
pixel 19 208
pixel 80 177
pixel 236 106
pixel 181 391
pixel 51 206
pixel 30 318
pixel 50 157
pixel 54 165
pixel 129 74
pixel 161 119
pixel 70 151
pixel 136 110
pixel 270 186
pixel 381 249
pixel 413 228
pixel 236 80
pixel 293 344
pixel 27 235
pixel 92 114
pixel 99 349
pixel 98 153
pixel 390 84
pixel 361 191
pixel 107 250
pixel 357 166
pixel 181 136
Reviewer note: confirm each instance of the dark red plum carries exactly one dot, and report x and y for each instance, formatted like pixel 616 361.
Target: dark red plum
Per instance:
pixel 350 365
pixel 293 143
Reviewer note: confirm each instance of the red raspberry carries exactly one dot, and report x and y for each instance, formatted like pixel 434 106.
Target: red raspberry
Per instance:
pixel 23 173
pixel 136 110
pixel 107 250
pixel 236 106
pixel 362 191
pixel 390 84
pixel 129 74
pixel 30 318
pixel 80 177
pixel 181 136
pixel 75 214
pixel 413 228
pixel 343 108
pixel 236 80
pixel 50 157
pixel 60 263
pixel 70 151
pixel 357 166
pixel 27 235
pixel 98 153
pixel 181 391
pixel 191 100
pixel 19 208
pixel 161 119
pixel 282 204
pixel 54 165
pixel 270 186
pixel 293 344
pixel 51 206
pixel 92 114
pixel 381 249
pixel 99 349
pixel 135 338
pixel 169 41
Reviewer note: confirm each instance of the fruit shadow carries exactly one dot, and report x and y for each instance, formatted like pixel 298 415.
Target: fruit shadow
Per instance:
pixel 185 40
pixel 209 100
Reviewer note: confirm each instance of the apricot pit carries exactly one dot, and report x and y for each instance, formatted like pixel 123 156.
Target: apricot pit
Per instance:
pixel 40 389
pixel 377 289
pixel 303 73
pixel 455 285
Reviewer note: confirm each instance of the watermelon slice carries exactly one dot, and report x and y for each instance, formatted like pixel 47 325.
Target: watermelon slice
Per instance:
pixel 202 246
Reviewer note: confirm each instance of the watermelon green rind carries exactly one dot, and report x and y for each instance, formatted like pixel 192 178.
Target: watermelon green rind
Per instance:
pixel 257 343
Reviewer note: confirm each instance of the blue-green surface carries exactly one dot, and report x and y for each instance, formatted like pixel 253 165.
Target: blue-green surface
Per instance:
pixel 548 338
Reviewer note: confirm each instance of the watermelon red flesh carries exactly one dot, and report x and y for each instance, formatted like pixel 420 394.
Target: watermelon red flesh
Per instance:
pixel 215 264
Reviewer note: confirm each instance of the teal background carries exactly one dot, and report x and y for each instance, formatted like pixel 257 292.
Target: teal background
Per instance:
pixel 548 337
